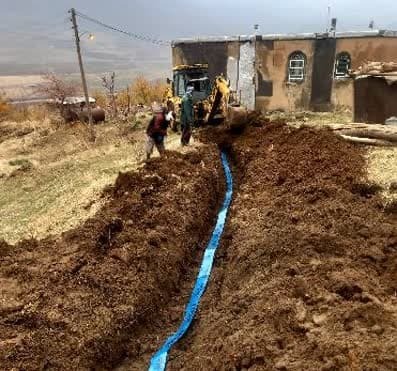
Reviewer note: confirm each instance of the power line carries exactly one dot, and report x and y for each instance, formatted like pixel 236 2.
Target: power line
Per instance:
pixel 130 34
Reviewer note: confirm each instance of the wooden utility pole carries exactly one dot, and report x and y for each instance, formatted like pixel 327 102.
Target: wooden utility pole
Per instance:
pixel 83 79
pixel 127 90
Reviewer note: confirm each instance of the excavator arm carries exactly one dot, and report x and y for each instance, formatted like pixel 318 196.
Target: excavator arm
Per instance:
pixel 219 100
pixel 211 101
pixel 222 110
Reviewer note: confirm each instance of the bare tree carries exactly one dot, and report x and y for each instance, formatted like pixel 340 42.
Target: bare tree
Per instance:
pixel 108 82
pixel 56 88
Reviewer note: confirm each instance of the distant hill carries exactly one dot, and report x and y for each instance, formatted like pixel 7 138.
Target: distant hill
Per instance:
pixel 19 86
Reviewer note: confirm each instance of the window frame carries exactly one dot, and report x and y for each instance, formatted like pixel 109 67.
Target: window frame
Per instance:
pixel 180 85
pixel 299 76
pixel 339 75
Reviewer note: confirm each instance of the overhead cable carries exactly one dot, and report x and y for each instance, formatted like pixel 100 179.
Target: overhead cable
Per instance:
pixel 127 33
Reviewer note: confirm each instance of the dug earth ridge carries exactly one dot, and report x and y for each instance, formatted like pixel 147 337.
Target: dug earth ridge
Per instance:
pixel 306 277
pixel 75 302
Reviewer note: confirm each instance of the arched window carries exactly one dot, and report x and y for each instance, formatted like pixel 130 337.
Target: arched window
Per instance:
pixel 342 65
pixel 296 67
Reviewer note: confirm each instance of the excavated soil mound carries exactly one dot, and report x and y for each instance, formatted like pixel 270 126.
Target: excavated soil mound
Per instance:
pixel 71 303
pixel 306 278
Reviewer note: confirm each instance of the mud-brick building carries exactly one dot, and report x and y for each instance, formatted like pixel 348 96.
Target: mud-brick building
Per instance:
pixel 289 72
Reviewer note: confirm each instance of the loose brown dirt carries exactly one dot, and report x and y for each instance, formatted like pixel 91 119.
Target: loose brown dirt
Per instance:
pixel 306 276
pixel 72 302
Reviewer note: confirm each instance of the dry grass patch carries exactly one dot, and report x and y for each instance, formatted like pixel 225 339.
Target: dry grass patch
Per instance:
pixel 382 170
pixel 57 197
pixel 65 185
pixel 66 175
pixel 313 118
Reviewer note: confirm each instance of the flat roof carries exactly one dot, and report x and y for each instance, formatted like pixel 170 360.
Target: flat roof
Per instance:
pixel 290 36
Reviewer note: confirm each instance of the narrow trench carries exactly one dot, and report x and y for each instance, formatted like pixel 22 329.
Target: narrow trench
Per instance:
pixel 151 335
pixel 202 337
pixel 155 331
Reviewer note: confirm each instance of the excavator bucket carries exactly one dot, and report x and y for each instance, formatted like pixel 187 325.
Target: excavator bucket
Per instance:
pixel 237 117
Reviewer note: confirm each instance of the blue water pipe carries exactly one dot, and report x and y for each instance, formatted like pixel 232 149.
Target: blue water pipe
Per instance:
pixel 159 359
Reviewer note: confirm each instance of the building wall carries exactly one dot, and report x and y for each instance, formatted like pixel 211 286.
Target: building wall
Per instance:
pixel 233 55
pixel 360 50
pixel 272 60
pixel 215 54
pixel 376 100
pixel 273 91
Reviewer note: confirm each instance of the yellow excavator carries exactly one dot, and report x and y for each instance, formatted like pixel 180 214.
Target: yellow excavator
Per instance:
pixel 214 103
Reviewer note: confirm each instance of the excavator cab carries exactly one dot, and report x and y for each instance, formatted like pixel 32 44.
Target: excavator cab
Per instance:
pixel 194 75
pixel 201 88
pixel 212 99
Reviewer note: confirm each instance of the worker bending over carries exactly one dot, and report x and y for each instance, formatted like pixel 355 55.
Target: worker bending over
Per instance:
pixel 157 130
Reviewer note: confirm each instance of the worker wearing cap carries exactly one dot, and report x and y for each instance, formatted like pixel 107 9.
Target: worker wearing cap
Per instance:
pixel 187 116
pixel 157 131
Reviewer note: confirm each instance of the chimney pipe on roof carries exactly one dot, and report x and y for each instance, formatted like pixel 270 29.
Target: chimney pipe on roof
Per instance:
pixel 333 24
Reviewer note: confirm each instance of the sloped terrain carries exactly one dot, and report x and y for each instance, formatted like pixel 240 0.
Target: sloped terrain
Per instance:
pixel 306 277
pixel 51 176
pixel 72 302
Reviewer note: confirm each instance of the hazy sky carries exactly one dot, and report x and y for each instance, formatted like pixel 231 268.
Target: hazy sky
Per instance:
pixel 36 35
